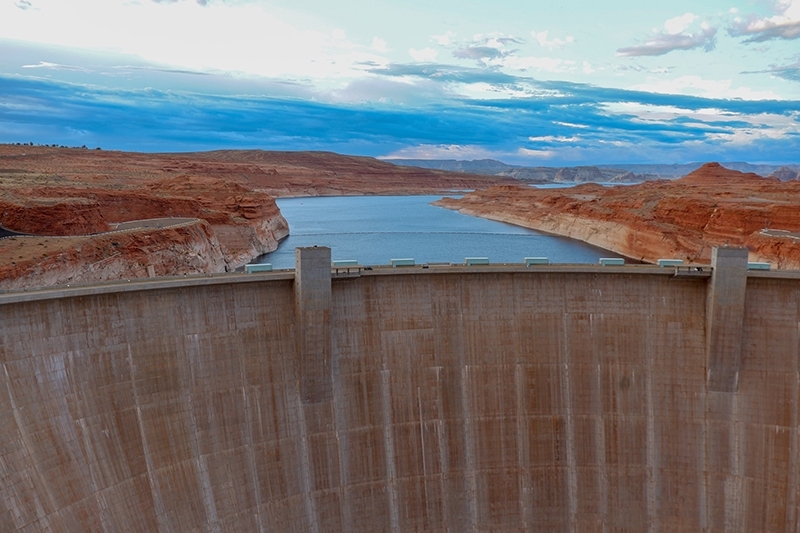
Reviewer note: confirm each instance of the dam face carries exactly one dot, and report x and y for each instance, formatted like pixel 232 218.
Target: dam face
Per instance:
pixel 453 399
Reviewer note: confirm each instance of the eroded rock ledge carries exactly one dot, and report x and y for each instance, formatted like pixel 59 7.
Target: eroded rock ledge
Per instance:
pixel 223 226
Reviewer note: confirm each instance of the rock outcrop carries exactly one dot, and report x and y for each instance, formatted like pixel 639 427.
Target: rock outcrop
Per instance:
pixel 33 262
pixel 221 227
pixel 247 223
pixel 684 218
pixel 204 224
pixel 786 174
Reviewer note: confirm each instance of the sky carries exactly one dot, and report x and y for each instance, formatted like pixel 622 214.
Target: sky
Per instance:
pixel 527 82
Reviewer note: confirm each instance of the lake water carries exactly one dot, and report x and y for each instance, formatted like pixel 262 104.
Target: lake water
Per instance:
pixel 375 229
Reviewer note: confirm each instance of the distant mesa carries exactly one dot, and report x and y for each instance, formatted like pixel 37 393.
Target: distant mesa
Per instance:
pixel 714 173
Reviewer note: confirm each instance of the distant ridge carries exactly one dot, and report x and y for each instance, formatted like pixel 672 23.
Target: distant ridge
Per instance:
pixel 677 171
pixel 608 173
pixel 476 166
pixel 493 167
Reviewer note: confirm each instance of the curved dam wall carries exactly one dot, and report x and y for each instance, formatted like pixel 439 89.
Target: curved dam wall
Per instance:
pixel 453 399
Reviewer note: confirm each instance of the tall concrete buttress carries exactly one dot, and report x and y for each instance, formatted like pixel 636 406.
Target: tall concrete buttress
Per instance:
pixel 312 292
pixel 725 318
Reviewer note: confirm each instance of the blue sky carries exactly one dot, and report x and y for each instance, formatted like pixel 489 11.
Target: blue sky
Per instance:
pixel 524 81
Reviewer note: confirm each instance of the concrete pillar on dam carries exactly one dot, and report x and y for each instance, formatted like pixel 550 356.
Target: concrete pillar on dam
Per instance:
pixel 312 290
pixel 725 318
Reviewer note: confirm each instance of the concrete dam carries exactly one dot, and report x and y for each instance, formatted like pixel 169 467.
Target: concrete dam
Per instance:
pixel 458 399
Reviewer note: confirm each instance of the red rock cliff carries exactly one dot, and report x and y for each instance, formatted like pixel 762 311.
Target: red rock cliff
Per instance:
pixel 188 248
pixel 206 225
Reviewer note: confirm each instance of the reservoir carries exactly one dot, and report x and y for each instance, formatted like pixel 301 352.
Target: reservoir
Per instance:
pixel 375 229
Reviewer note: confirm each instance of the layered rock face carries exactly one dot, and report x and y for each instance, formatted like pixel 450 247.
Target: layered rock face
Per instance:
pixel 222 225
pixel 684 218
pixel 188 248
pixel 247 223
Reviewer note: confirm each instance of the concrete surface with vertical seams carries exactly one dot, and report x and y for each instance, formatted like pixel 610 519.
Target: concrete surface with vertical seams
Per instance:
pixel 312 295
pixel 453 399
pixel 725 317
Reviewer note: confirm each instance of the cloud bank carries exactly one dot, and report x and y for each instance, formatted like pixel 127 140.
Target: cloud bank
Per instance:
pixel 564 123
pixel 281 79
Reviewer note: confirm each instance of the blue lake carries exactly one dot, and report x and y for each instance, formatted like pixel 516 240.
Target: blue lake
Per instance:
pixel 375 229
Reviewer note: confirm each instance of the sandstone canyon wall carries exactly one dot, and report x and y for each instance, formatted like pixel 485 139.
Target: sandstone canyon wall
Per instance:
pixel 182 249
pixel 682 219
pixel 221 226
pixel 75 194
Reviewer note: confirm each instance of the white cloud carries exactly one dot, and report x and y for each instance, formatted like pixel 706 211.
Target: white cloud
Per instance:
pixel 664 42
pixel 481 54
pixel 571 125
pixel 445 39
pixel 425 55
pixel 785 24
pixel 488 91
pixel 587 68
pixel 442 151
pixel 662 114
pixel 541 38
pixel 789 72
pixel 761 125
pixel 495 39
pixel 792 9
pixel 553 138
pixel 618 144
pixel 548 64
pixel 746 136
pixel 536 154
pixel 378 44
pixel 56 66
pixel 679 24
pixel 495 50
pixel 697 86
pixel 488 50
pixel 248 38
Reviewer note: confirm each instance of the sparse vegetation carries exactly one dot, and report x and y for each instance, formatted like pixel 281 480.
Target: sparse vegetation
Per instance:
pixel 53 145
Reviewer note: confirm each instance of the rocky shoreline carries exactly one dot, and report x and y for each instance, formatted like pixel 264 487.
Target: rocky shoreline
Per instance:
pixel 683 218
